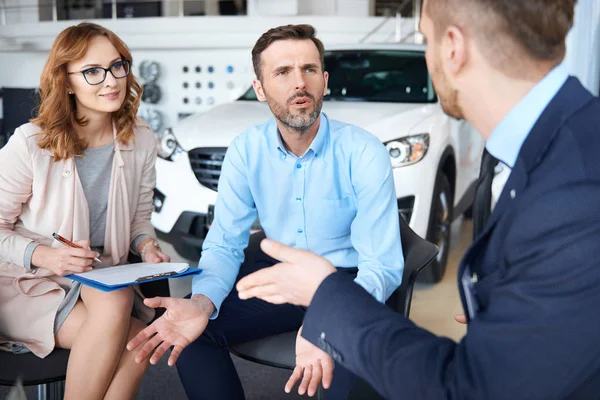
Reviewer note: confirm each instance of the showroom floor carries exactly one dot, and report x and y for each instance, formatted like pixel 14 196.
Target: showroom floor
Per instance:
pixel 433 308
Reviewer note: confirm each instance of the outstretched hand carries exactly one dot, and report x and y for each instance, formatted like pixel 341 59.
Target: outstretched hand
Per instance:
pixel 183 322
pixel 313 366
pixel 295 280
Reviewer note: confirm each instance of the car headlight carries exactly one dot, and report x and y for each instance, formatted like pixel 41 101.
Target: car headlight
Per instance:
pixel 407 150
pixel 167 146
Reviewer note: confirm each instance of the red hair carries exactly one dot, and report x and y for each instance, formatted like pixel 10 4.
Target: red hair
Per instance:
pixel 57 118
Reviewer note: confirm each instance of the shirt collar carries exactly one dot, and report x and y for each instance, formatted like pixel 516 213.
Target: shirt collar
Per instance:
pixel 507 138
pixel 318 142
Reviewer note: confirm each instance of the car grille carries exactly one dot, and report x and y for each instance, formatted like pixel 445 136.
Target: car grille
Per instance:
pixel 206 163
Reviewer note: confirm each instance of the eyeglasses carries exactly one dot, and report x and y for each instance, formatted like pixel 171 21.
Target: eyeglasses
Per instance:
pixel 97 75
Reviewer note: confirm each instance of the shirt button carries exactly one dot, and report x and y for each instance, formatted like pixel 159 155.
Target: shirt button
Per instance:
pixel 513 193
pixel 299 230
pixel 322 335
pixel 298 199
pixel 298 166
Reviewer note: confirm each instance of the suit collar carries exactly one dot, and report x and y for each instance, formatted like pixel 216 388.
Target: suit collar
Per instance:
pixel 570 98
pixel 507 138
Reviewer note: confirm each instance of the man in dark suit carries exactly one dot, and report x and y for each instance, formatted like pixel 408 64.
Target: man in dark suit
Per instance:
pixel 530 282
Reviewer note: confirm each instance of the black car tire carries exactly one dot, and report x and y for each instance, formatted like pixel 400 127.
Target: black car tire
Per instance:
pixel 438 231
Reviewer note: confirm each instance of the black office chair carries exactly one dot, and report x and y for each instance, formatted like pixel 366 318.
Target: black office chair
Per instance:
pixel 48 374
pixel 280 350
pixel 19 105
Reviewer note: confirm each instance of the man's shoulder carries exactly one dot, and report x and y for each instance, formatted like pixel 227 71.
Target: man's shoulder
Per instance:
pixel 565 142
pixel 253 140
pixel 584 124
pixel 352 135
pixel 581 133
pixel 256 134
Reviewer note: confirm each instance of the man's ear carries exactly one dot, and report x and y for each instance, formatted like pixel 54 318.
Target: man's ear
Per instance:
pixel 455 51
pixel 258 89
pixel 326 88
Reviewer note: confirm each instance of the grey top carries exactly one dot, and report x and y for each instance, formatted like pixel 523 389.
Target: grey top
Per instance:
pixel 94 169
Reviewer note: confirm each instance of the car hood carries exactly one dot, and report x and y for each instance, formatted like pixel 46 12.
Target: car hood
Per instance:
pixel 218 126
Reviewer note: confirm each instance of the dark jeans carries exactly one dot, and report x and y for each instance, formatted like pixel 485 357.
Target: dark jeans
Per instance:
pixel 205 366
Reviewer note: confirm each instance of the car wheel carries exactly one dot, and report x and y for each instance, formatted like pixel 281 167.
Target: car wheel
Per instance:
pixel 438 231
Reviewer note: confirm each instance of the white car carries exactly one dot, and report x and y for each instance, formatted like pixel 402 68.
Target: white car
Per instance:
pixel 385 89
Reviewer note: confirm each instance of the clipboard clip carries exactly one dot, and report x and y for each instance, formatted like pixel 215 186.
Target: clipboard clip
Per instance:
pixel 150 277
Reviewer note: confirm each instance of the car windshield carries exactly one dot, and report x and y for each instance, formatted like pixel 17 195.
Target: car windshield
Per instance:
pixel 375 75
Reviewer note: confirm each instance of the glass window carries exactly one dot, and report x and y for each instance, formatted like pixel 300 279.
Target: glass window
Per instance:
pixel 390 76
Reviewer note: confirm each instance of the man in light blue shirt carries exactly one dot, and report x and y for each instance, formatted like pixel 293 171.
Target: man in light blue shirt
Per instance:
pixel 315 184
pixel 326 200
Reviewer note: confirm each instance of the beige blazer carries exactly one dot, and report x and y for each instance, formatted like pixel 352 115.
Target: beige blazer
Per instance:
pixel 38 197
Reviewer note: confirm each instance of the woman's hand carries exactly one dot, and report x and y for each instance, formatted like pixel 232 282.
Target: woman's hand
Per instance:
pixel 154 255
pixel 64 260
pixel 150 253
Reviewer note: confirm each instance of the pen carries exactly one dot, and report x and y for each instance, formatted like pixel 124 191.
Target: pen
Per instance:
pixel 70 244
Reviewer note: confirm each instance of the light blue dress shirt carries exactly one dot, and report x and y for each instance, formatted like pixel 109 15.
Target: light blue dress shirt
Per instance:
pixel 507 138
pixel 337 200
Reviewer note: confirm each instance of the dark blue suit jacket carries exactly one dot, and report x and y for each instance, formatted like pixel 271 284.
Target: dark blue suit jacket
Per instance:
pixel 536 334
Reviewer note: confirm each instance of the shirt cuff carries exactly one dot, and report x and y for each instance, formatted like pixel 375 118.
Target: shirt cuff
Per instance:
pixel 214 293
pixel 28 255
pixel 371 288
pixel 136 242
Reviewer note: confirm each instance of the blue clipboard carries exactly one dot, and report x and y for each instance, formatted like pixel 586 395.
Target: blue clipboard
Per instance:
pixel 151 278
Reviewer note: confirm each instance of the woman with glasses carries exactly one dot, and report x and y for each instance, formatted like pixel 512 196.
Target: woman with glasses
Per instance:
pixel 84 169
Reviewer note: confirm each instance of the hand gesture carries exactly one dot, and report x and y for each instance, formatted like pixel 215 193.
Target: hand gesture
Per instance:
pixel 181 324
pixel 313 365
pixel 295 280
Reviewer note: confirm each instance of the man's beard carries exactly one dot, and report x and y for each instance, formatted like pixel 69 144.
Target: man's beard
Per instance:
pixel 448 96
pixel 301 122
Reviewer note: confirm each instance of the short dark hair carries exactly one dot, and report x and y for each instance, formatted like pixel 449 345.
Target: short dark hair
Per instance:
pixel 285 32
pixel 538 27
